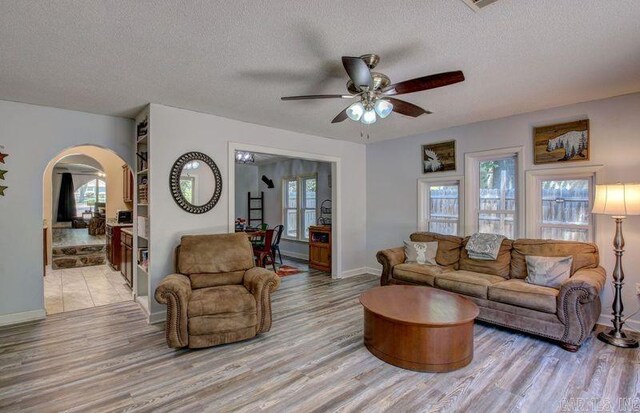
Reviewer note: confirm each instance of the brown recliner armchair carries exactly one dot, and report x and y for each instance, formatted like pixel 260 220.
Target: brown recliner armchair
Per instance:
pixel 218 295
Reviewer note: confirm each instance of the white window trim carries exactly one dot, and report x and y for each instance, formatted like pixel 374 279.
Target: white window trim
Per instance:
pixel 472 177
pixel 423 188
pixel 533 179
pixel 299 210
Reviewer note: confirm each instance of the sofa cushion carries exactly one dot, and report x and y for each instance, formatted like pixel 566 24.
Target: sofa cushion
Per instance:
pixel 501 266
pixel 522 294
pixel 585 254
pixel 417 273
pixel 470 283
pixel 448 253
pixel 219 253
pixel 421 252
pixel 220 300
pixel 214 280
pixel 548 271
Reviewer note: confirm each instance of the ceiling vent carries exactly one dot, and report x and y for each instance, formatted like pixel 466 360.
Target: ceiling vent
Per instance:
pixel 476 5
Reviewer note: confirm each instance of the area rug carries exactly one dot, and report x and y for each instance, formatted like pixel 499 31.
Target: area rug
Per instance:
pixel 286 270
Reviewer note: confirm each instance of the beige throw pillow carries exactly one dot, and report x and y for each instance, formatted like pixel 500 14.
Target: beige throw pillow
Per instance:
pixel 548 271
pixel 421 252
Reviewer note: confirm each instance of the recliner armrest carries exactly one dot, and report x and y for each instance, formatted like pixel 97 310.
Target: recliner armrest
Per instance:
pixel 389 258
pixel 261 283
pixel 174 291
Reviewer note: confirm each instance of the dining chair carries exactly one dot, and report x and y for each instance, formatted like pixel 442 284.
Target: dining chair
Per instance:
pixel 263 252
pixel 275 246
pixel 259 240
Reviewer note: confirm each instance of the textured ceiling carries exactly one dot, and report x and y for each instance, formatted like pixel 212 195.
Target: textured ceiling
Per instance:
pixel 236 58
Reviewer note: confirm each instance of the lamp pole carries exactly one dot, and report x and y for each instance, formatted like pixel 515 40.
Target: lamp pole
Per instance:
pixel 615 336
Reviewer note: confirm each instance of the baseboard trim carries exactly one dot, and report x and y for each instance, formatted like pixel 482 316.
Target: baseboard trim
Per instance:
pixel 605 320
pixel 353 272
pixel 297 255
pixel 23 317
pixel 157 317
pixel 374 271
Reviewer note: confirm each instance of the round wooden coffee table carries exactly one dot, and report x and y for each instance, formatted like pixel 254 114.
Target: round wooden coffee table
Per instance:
pixel 419 328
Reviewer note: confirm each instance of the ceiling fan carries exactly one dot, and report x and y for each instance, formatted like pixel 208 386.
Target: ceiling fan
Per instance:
pixel 373 91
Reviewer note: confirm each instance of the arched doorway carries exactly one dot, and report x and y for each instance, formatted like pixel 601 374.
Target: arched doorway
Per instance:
pixel 82 192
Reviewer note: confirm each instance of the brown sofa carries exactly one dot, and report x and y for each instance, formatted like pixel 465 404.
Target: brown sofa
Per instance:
pixel 567 315
pixel 217 295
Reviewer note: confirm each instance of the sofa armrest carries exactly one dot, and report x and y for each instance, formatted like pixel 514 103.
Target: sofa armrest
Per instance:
pixel 579 303
pixel 174 291
pixel 261 283
pixel 389 258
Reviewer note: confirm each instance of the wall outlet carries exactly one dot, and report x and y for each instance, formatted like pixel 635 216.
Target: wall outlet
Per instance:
pixel 638 288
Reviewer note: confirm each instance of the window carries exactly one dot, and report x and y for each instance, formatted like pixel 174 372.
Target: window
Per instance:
pixel 565 209
pixel 299 206
pixel 440 206
pixel 497 197
pixel 560 203
pixel 494 179
pixel 88 194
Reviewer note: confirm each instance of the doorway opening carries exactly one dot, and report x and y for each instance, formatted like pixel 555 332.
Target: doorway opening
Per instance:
pixel 83 194
pixel 285 202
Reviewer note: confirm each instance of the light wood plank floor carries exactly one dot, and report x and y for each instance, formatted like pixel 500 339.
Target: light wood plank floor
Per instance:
pixel 108 359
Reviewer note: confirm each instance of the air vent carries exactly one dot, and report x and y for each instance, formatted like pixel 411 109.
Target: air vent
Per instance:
pixel 476 5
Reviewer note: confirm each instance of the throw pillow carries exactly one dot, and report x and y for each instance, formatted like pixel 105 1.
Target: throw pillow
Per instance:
pixel 548 271
pixel 421 252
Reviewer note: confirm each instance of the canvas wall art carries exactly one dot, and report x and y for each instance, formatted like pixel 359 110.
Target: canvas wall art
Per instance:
pixel 439 157
pixel 564 142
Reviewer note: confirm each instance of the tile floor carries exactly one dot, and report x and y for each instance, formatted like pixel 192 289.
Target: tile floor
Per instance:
pixel 76 288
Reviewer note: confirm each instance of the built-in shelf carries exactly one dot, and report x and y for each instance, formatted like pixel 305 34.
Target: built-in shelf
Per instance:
pixel 144 205
pixel 143 237
pixel 143 138
pixel 143 172
pixel 141 268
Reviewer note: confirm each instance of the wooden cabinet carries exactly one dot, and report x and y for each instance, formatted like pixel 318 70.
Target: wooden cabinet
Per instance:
pixel 127 184
pixel 320 247
pixel 126 256
pixel 113 238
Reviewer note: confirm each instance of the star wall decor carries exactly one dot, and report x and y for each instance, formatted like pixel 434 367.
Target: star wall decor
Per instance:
pixel 2 188
pixel 2 156
pixel 2 172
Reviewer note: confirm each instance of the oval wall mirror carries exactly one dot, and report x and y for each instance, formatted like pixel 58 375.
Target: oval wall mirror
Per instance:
pixel 195 182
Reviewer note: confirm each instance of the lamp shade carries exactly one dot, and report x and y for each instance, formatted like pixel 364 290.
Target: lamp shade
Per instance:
pixel 617 200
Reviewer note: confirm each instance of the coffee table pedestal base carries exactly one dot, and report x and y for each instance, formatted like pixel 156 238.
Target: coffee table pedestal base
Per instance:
pixel 419 347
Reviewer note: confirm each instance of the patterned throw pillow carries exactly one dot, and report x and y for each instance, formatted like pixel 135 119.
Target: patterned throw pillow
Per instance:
pixel 421 252
pixel 548 271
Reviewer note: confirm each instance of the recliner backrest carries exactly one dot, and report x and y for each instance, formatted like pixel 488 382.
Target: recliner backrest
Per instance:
pixel 218 259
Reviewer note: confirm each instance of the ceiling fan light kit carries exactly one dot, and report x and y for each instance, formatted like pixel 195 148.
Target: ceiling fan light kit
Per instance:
pixel 374 90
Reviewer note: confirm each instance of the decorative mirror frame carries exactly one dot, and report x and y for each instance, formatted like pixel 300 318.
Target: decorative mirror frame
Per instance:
pixel 174 182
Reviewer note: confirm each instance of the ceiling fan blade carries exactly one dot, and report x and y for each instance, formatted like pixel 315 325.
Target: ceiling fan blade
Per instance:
pixel 341 116
pixel 358 71
pixel 305 97
pixel 408 109
pixel 424 83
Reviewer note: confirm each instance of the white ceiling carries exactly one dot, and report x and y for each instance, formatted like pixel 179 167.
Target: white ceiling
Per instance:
pixel 78 164
pixel 236 58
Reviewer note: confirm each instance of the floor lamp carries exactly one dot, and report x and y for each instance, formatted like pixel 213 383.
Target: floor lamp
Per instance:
pixel 618 201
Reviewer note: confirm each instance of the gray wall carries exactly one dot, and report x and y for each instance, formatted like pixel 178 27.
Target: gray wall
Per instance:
pixel 394 166
pixel 246 181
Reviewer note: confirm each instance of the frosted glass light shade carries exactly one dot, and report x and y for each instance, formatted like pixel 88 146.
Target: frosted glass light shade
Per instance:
pixel 355 111
pixel 383 108
pixel 368 117
pixel 617 200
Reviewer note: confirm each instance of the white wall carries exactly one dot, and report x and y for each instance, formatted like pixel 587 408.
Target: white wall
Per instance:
pixel 273 197
pixel 394 166
pixel 176 131
pixel 32 136
pixel 246 181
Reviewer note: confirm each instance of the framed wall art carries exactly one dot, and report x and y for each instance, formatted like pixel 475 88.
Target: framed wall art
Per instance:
pixel 439 157
pixel 564 142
